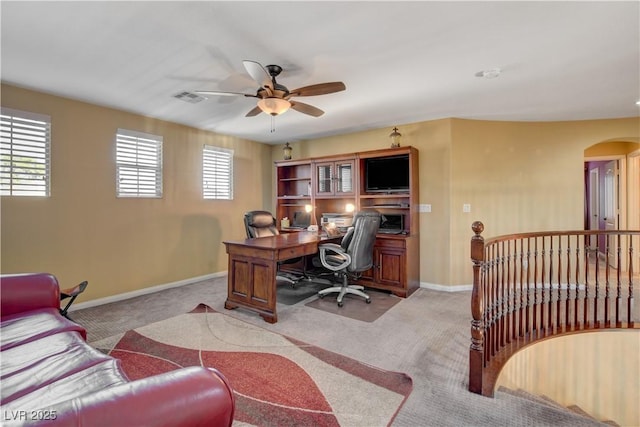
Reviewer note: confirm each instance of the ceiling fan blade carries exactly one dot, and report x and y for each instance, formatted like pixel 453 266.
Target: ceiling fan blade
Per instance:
pixel 258 73
pixel 318 89
pixel 254 112
pixel 306 109
pixel 215 92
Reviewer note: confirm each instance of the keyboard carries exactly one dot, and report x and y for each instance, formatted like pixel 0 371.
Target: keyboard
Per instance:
pixel 389 231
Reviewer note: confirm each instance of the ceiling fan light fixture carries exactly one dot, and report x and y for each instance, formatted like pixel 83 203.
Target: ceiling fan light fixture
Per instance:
pixel 273 98
pixel 274 106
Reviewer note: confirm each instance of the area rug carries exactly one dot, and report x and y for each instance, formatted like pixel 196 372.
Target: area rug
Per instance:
pixel 277 380
pixel 355 306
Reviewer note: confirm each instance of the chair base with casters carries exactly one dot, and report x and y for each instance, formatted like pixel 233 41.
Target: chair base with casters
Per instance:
pixel 344 289
pixel 296 276
pixel 289 278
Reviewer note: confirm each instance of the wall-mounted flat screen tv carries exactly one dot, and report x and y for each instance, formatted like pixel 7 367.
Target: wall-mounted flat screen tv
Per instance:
pixel 387 174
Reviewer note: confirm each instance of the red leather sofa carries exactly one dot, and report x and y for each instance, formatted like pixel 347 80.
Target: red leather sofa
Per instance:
pixel 50 376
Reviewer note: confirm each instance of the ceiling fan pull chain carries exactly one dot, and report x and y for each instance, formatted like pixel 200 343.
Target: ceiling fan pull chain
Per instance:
pixel 273 124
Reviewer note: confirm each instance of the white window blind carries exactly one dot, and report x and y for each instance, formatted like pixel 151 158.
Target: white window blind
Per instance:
pixel 346 180
pixel 138 164
pixel 324 179
pixel 217 173
pixel 25 153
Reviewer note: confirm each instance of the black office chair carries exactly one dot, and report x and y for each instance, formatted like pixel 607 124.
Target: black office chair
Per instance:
pixel 261 224
pixel 352 256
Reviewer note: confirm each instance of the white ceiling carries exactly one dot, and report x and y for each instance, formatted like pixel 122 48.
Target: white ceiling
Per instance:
pixel 402 62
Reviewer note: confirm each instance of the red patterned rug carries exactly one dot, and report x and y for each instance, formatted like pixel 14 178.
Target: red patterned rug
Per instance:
pixel 277 380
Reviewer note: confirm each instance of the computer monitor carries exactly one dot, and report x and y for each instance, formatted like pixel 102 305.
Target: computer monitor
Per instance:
pixel 392 224
pixel 301 219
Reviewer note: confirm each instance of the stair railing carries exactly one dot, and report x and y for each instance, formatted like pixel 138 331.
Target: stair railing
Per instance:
pixel 532 286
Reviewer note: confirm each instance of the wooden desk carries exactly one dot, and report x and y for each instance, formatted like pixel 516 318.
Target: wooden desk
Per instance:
pixel 253 264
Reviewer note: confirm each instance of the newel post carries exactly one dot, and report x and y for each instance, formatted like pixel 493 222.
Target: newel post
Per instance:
pixel 476 351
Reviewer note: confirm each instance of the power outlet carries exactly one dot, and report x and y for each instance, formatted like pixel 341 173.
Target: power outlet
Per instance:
pixel 424 208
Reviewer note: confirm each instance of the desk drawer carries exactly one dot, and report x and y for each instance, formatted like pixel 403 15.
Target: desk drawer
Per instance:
pixel 295 252
pixel 390 243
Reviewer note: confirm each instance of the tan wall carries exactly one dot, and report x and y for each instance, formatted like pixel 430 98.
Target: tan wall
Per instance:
pixel 83 232
pixel 517 176
pixel 535 182
pixel 598 371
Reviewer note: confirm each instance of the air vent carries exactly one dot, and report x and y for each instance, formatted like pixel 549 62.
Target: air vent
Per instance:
pixel 489 74
pixel 189 97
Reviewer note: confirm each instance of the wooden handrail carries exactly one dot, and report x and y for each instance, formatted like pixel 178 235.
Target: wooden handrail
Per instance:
pixel 533 286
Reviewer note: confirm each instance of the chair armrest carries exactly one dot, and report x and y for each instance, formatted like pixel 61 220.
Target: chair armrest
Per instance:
pixel 327 249
pixel 333 247
pixel 73 292
pixel 25 292
pixel 188 397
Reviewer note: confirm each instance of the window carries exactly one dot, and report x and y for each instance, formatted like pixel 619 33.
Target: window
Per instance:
pixel 25 154
pixel 217 173
pixel 138 164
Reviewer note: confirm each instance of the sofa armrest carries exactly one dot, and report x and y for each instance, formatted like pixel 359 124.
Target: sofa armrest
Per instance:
pixel 194 396
pixel 26 292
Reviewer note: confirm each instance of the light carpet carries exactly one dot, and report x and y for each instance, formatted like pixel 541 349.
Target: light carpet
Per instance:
pixel 426 336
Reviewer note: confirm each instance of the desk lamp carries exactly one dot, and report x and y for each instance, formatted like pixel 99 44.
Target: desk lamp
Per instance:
pixel 314 224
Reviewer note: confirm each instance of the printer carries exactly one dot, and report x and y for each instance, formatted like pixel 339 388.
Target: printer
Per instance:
pixel 341 220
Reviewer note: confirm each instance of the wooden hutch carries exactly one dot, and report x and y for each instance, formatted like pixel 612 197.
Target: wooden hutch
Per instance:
pixel 329 183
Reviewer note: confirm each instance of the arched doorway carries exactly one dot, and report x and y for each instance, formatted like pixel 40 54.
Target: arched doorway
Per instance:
pixel 612 187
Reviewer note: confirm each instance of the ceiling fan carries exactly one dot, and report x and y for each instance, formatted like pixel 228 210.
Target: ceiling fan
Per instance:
pixel 274 98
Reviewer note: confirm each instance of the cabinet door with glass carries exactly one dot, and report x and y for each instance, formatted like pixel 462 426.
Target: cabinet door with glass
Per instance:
pixel 335 178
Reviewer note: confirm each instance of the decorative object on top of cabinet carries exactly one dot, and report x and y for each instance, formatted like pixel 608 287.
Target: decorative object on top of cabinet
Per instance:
pixel 395 138
pixel 286 151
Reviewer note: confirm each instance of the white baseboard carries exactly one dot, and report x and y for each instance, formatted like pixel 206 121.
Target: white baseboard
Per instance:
pixel 145 291
pixel 444 288
pixel 192 280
